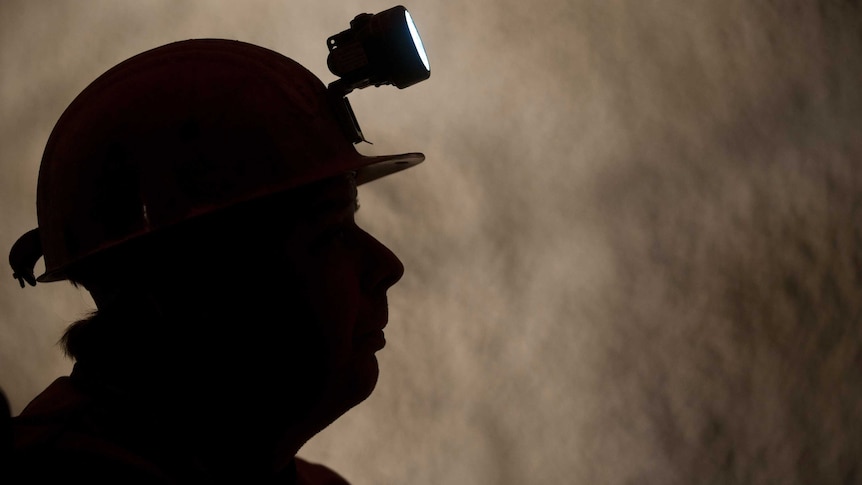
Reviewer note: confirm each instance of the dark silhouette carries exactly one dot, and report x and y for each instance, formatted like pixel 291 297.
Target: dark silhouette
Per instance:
pixel 211 217
pixel 5 433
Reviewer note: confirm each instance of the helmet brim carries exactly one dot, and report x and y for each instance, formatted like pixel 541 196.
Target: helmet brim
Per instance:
pixel 380 166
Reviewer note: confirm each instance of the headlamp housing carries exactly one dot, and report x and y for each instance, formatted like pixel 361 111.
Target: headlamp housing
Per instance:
pixel 384 48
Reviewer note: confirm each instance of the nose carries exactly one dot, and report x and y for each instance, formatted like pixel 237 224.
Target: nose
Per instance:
pixel 383 268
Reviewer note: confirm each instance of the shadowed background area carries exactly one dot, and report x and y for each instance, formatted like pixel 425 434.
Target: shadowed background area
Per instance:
pixel 634 254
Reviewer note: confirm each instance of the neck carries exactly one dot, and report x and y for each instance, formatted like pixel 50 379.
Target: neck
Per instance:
pixel 208 431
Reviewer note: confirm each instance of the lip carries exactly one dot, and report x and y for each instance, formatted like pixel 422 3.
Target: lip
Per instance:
pixel 372 341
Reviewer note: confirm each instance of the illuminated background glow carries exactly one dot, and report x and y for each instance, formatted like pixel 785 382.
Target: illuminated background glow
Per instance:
pixel 634 253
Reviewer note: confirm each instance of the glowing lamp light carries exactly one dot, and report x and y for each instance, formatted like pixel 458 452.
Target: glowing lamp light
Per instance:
pixel 383 48
pixel 417 41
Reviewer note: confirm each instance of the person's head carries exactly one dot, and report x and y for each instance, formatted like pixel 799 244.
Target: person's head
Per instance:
pixel 204 193
pixel 290 276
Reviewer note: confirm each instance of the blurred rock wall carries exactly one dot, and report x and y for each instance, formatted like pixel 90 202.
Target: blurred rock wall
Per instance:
pixel 633 255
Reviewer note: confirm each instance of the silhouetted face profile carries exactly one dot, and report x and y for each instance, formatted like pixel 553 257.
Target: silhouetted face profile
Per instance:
pixel 266 331
pixel 342 274
pixel 319 302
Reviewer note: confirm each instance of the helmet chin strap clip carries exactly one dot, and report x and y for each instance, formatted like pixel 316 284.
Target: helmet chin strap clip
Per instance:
pixel 23 256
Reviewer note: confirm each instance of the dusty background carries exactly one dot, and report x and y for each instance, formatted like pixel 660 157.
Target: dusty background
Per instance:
pixel 634 254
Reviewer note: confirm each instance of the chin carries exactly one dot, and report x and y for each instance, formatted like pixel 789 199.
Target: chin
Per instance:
pixel 362 378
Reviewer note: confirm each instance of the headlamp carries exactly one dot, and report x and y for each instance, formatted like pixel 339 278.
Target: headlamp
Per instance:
pixel 377 49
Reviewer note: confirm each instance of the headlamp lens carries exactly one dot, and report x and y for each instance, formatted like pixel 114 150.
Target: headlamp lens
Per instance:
pixel 417 41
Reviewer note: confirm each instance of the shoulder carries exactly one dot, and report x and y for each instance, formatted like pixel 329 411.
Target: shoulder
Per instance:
pixel 57 437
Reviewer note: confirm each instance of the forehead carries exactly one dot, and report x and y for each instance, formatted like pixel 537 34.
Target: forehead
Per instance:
pixel 319 199
pixel 250 229
pixel 334 189
pixel 303 203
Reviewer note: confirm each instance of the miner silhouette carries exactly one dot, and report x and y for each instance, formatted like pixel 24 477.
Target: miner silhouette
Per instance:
pixel 204 193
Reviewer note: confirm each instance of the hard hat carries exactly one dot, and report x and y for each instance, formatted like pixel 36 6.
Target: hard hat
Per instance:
pixel 177 132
